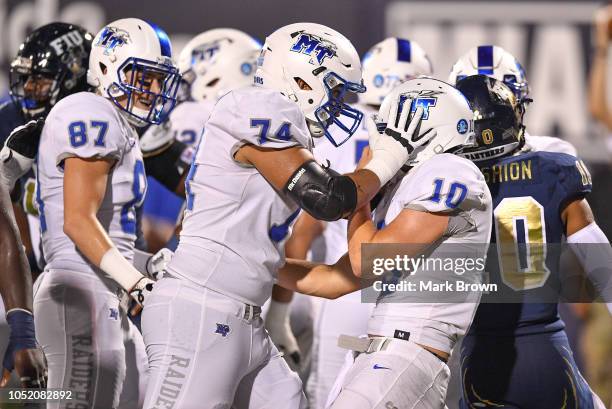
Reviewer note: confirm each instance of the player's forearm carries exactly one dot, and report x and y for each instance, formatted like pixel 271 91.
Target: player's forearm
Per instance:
pixel 305 231
pixel 88 236
pixel 598 101
pixel 92 241
pixel 367 184
pixel 321 280
pixel 361 230
pixel 16 280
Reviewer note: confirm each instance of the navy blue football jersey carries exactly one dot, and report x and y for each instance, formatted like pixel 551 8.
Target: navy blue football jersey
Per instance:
pixel 529 193
pixel 10 118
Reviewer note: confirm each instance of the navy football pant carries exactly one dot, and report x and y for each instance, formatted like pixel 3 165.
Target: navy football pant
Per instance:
pixel 524 372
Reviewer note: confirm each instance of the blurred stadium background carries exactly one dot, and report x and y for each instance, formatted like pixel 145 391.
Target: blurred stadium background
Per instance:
pixel 553 39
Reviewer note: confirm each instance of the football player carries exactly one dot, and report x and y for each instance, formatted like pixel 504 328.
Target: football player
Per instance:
pixel 438 201
pixel 90 178
pixel 538 198
pixel 251 175
pixel 211 64
pixel 22 352
pixel 386 65
pixel 495 62
pixel 50 64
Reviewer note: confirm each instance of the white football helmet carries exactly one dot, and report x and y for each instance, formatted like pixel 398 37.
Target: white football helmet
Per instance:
pixel 492 61
pixel 125 55
pixel 447 123
pixel 388 64
pixel 217 61
pixel 315 67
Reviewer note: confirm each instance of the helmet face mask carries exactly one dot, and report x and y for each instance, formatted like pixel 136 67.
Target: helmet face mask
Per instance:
pixel 327 63
pixel 51 63
pixel 136 95
pixel 335 113
pixel 33 92
pixel 128 57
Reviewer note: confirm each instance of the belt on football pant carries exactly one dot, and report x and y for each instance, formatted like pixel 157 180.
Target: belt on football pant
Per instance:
pixel 373 344
pixel 251 312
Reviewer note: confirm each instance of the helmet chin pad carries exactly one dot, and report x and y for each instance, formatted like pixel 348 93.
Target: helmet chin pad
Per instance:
pixel 315 129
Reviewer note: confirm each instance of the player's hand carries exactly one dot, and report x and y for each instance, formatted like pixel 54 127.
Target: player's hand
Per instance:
pixel 24 139
pixel 22 353
pixel 279 327
pixel 392 148
pixel 156 265
pixel 141 290
pixel 31 368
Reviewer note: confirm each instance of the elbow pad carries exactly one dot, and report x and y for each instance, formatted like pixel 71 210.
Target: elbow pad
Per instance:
pixel 322 192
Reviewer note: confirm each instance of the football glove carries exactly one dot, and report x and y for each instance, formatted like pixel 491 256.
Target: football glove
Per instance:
pixel 279 327
pixel 391 149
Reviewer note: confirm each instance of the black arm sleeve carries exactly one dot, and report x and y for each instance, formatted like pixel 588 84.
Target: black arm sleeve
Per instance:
pixel 168 166
pixel 322 192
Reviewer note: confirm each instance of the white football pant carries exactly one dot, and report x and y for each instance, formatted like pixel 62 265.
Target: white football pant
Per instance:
pixel 92 348
pixel 404 375
pixel 208 351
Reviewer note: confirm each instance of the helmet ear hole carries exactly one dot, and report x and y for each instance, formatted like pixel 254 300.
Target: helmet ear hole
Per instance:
pixel 213 82
pixel 103 68
pixel 302 84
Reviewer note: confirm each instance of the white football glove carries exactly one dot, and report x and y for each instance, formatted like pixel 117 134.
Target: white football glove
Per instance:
pixel 391 149
pixel 141 290
pixel 279 327
pixel 156 264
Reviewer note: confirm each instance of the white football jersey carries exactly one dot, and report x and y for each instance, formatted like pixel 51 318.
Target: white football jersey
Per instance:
pixel 187 121
pixel 86 125
pixel 448 184
pixel 235 222
pixel 343 159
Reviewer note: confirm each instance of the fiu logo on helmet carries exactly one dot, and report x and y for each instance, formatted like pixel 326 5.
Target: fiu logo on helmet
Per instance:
pixel 425 99
pixel 112 38
pixel 67 41
pixel 314 46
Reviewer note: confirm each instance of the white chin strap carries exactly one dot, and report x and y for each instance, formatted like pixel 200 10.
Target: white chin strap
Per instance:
pixel 137 122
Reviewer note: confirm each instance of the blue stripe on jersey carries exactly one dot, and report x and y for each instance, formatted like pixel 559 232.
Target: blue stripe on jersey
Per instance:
pixel 164 41
pixel 485 60
pixel 404 50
